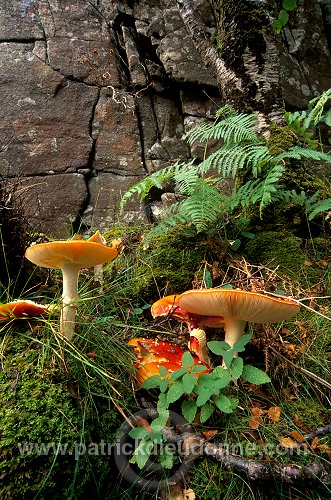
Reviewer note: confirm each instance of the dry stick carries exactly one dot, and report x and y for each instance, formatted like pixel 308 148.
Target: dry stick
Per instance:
pixel 196 445
pixel 302 370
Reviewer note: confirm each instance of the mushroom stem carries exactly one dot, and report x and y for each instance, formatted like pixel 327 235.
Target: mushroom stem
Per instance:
pixel 234 330
pixel 69 299
pixel 198 345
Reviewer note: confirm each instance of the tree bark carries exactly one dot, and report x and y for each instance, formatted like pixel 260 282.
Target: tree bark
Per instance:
pixel 246 66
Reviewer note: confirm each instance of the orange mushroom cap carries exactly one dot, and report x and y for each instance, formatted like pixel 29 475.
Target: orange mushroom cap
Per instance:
pixel 151 354
pixel 20 309
pixel 169 306
pixel 82 253
pixel 70 256
pixel 240 304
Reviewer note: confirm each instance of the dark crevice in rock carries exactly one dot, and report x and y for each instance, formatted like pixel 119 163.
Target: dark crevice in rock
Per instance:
pixel 87 172
pixel 21 40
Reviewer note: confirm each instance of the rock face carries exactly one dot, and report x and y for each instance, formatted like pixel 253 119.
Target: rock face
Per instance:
pixel 97 94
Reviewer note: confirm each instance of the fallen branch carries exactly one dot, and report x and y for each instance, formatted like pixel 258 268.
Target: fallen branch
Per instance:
pixel 196 445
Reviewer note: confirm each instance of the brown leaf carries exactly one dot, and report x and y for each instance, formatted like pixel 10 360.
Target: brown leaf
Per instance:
pixel 325 450
pixel 255 420
pixel 210 434
pixel 315 443
pixel 297 436
pixel 287 442
pixel 144 423
pixel 274 414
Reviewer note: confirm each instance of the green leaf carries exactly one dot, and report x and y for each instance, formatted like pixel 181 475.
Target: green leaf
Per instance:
pixel 142 452
pixel 164 382
pixel 161 421
pixel 157 437
pixel 187 360
pixel 189 382
pixel 178 373
pixel 289 4
pixel 138 433
pixel 236 367
pixel 162 403
pixel 251 236
pixel 283 17
pixel 189 410
pixel 163 371
pixel 206 411
pixel 151 382
pixel 208 279
pixel 277 25
pixel 222 380
pixel 254 375
pixel 198 368
pixel 218 347
pixel 166 457
pixel 176 390
pixel 228 357
pixel 204 396
pixel 239 346
pixel 223 403
pixel 234 245
pixel 205 380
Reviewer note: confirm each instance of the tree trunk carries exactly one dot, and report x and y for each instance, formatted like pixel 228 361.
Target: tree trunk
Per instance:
pixel 246 62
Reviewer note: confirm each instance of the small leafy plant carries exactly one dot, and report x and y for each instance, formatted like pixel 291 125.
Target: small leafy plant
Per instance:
pixel 283 15
pixel 203 394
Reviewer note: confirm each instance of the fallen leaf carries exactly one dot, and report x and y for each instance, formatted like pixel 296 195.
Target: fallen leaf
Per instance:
pixel 315 443
pixel 285 331
pixel 274 414
pixel 325 449
pixel 297 436
pixel 287 442
pixel 255 420
pixel 177 492
pixel 307 263
pixel 210 434
pixel 144 423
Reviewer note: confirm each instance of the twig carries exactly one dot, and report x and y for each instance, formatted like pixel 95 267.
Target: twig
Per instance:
pixel 321 431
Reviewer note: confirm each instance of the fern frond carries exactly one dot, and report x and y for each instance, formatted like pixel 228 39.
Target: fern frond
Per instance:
pixel 197 133
pixel 204 206
pixel 297 152
pixel 269 186
pixel 157 179
pixel 316 106
pixel 320 206
pixel 233 130
pixel 230 158
pixel 264 191
pixel 186 180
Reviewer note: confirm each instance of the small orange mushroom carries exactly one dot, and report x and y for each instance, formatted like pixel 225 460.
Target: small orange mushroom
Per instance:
pixel 21 309
pixel 70 256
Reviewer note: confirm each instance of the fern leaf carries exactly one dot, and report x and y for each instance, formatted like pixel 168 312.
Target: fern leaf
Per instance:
pixel 320 206
pixel 204 206
pixel 157 179
pixel 234 129
pixel 296 152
